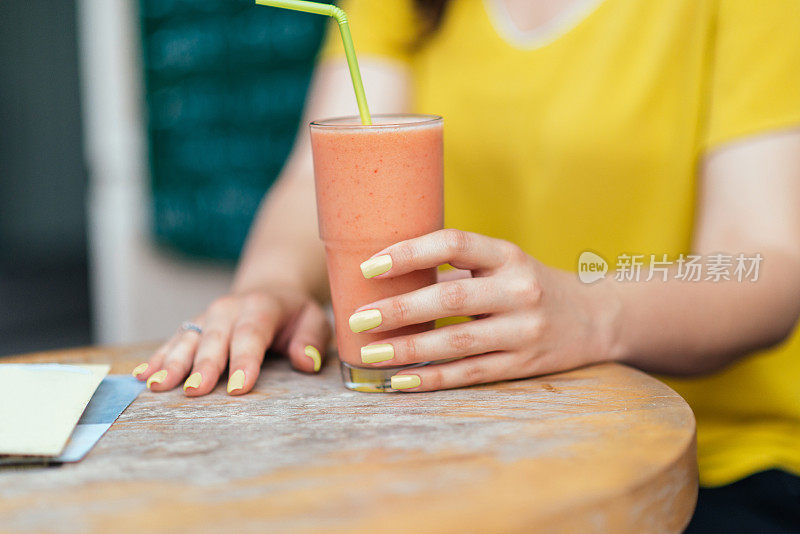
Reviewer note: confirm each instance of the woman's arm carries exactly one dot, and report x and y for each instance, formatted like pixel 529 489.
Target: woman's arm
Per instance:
pixel 749 202
pixel 534 319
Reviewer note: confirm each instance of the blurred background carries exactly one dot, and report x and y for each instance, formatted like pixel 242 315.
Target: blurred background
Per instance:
pixel 137 139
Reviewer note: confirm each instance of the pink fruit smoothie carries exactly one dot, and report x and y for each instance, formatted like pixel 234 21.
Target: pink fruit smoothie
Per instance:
pixel 376 185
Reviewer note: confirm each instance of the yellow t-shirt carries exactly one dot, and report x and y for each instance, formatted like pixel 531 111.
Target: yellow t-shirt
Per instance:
pixel 587 137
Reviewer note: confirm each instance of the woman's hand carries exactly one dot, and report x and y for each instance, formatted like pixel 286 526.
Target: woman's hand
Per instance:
pixel 237 330
pixel 531 319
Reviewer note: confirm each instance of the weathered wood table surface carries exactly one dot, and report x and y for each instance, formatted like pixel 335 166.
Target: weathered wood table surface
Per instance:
pixel 605 448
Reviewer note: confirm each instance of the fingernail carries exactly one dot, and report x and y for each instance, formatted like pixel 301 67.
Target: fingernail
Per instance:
pixel 157 378
pixel 377 265
pixel 364 320
pixel 236 381
pixel 194 381
pixel 380 352
pixel 313 353
pixel 139 369
pixel 405 381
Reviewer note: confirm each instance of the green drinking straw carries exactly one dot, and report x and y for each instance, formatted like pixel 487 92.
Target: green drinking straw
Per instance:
pixel 347 40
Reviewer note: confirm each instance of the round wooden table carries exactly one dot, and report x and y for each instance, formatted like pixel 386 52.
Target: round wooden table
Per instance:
pixel 600 449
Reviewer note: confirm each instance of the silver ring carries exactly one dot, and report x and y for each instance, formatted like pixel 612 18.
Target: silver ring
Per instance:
pixel 190 326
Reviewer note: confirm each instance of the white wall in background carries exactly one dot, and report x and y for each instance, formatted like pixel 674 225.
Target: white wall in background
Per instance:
pixel 139 292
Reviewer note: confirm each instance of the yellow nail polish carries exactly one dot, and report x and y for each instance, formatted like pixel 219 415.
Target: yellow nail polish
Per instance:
pixel 405 381
pixel 236 381
pixel 364 320
pixel 314 354
pixel 377 265
pixel 157 378
pixel 380 352
pixel 139 369
pixel 194 381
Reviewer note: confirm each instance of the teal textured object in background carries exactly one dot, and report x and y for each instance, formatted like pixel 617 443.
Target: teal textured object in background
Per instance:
pixel 225 83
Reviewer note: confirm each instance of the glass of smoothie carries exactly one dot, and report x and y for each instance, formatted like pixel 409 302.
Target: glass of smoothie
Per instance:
pixel 376 185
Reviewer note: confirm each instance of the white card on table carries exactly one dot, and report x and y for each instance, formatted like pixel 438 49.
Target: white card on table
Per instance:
pixel 40 404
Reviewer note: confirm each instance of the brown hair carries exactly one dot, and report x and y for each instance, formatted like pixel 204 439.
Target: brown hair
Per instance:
pixel 432 13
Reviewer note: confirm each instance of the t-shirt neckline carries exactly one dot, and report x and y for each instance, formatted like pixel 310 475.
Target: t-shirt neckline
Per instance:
pixel 543 34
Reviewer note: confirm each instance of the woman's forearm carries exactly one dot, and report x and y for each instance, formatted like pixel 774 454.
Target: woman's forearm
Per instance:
pixel 747 201
pixel 283 248
pixel 685 328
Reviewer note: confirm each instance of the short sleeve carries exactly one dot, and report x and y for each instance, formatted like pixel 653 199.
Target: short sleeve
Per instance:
pixel 754 69
pixel 386 28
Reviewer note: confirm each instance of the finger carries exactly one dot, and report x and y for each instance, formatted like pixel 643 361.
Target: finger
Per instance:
pixel 481 369
pixel 206 371
pixel 470 296
pixel 462 250
pixel 145 370
pixel 252 336
pixel 156 363
pixel 177 362
pixel 211 355
pixel 492 334
pixel 310 339
pixel 452 274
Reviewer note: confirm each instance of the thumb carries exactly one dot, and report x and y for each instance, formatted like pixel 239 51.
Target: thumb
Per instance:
pixel 309 339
